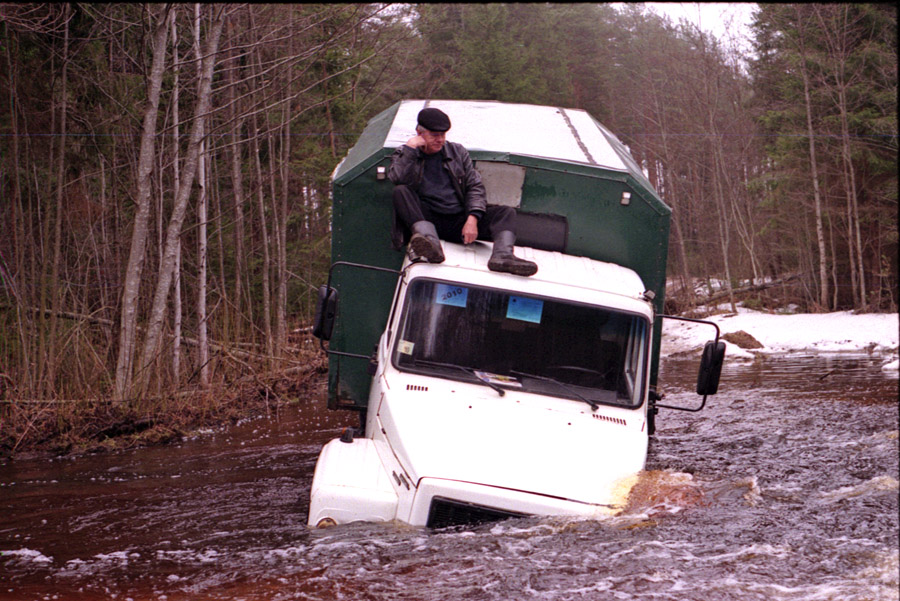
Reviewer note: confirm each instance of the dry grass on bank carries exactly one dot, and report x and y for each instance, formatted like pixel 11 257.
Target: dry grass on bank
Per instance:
pixel 44 428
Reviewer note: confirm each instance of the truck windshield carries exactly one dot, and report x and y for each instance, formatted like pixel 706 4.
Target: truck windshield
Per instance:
pixel 534 344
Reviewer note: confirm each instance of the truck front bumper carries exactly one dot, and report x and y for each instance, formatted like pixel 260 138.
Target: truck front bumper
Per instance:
pixel 351 484
pixel 362 481
pixel 440 503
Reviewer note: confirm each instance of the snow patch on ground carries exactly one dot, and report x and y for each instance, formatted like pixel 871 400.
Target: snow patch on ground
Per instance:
pixel 839 332
pixel 891 365
pixel 25 554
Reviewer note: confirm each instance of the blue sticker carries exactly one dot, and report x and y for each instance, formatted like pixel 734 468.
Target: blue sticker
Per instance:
pixel 525 309
pixel 448 294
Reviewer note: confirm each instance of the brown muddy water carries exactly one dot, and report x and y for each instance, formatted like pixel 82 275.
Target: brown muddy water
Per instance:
pixel 785 488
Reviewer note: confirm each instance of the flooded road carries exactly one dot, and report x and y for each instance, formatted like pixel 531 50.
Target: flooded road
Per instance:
pixel 785 487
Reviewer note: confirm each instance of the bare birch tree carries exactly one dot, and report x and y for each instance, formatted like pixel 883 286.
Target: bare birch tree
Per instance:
pixel 834 22
pixel 281 217
pixel 176 182
pixel 132 282
pixel 237 182
pixel 265 272
pixel 202 215
pixel 173 231
pixel 801 47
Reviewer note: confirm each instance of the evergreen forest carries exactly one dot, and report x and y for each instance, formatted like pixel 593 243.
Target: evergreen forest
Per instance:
pixel 164 168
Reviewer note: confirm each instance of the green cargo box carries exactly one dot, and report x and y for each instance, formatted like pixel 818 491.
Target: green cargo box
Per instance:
pixel 562 170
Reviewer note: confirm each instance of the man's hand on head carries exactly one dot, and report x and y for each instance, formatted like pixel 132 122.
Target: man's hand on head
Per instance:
pixel 470 230
pixel 416 142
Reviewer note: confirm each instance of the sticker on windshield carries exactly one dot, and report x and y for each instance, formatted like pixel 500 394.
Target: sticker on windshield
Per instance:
pixel 406 347
pixel 453 295
pixel 525 309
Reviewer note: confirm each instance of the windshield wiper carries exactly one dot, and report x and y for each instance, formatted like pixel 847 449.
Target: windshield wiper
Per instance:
pixel 468 370
pixel 594 404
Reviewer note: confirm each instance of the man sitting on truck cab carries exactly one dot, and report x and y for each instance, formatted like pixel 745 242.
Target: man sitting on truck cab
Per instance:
pixel 439 194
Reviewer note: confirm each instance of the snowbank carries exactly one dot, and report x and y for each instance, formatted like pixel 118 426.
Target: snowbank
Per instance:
pixel 841 332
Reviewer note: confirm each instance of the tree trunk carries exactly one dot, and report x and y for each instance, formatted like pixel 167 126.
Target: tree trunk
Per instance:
pixel 671 195
pixel 817 195
pixel 24 331
pixel 813 162
pixel 723 225
pixel 834 272
pixel 173 231
pixel 721 205
pixel 56 292
pixel 281 233
pixel 742 223
pixel 276 239
pixel 263 228
pixel 238 187
pixel 328 110
pixel 837 30
pixel 853 205
pixel 176 177
pixel 202 212
pixel 43 261
pixel 129 309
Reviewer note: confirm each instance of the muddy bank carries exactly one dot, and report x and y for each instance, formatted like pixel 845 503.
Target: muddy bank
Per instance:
pixel 54 428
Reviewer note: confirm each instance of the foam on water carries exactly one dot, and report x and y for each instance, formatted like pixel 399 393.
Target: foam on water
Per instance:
pixel 876 485
pixel 26 555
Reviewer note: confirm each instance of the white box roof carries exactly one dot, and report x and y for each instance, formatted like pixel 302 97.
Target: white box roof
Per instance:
pixel 554 133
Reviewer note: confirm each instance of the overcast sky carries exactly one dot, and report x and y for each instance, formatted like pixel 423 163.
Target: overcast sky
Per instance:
pixel 714 17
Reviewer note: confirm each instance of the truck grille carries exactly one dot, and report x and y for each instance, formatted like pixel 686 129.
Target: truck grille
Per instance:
pixel 449 512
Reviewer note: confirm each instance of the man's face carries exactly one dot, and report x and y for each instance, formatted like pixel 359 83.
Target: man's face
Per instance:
pixel 434 140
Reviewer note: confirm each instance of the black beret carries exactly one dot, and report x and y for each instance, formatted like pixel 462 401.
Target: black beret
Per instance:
pixel 434 119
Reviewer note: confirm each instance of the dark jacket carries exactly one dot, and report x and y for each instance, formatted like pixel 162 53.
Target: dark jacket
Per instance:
pixel 408 164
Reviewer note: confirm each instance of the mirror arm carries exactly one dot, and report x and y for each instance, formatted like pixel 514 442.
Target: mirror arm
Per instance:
pixel 694 320
pixel 341 353
pixel 328 287
pixel 692 410
pixel 715 340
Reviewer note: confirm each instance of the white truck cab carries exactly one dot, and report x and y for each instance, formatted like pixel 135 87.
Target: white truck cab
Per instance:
pixel 497 395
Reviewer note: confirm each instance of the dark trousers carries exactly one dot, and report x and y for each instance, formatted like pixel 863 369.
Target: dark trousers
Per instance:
pixel 408 209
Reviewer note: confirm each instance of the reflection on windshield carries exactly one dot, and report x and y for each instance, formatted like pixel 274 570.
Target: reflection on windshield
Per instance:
pixel 539 345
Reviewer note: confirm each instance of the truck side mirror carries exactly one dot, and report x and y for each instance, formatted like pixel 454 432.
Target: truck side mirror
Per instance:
pixel 710 367
pixel 326 309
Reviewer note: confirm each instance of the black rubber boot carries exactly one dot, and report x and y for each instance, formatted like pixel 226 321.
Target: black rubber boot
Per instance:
pixel 503 259
pixel 424 243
